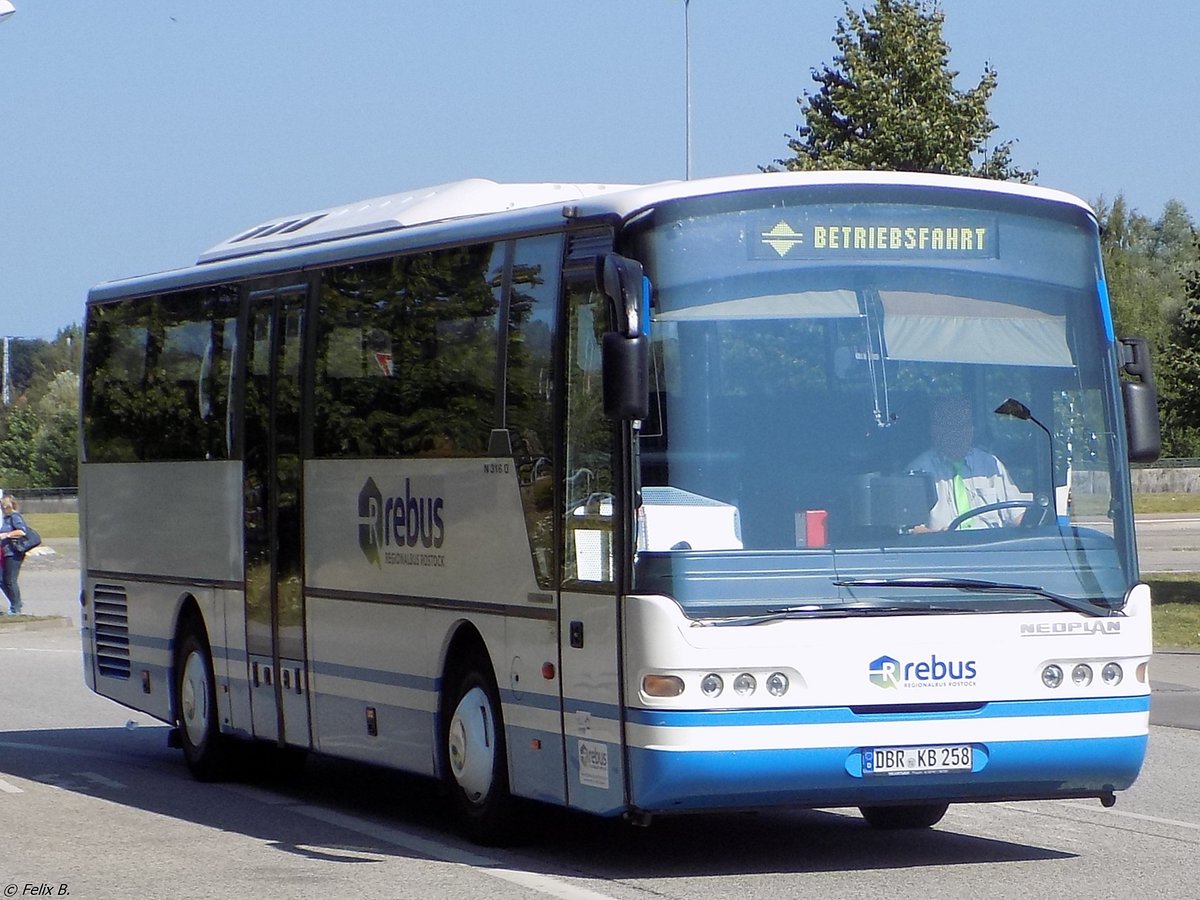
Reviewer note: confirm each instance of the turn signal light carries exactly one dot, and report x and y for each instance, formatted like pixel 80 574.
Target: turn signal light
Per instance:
pixel 662 685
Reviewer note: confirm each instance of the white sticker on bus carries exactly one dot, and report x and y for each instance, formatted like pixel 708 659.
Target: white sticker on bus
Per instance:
pixel 593 764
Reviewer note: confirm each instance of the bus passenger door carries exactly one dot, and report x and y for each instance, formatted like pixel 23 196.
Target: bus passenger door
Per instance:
pixel 273 517
pixel 589 624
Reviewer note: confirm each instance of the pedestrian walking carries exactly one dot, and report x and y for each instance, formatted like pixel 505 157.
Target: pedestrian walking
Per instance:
pixel 11 526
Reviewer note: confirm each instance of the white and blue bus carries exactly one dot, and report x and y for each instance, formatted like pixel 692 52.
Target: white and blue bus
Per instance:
pixel 605 496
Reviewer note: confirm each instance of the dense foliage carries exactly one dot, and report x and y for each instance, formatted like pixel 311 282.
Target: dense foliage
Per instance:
pixel 1176 330
pixel 39 427
pixel 889 102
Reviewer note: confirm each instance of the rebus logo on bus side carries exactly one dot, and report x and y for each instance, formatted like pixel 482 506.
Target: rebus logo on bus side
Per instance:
pixel 403 521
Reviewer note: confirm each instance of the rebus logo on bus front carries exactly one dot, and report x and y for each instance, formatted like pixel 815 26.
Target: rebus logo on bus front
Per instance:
pixel 886 672
pixel 401 521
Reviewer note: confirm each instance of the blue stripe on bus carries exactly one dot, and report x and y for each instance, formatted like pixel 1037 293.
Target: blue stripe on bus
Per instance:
pixel 838 715
pixel 1106 310
pixel 150 643
pixel 663 780
pixel 376 676
pixel 530 699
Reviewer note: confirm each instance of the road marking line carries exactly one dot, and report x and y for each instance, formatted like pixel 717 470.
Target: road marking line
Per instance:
pixel 1139 816
pixel 543 884
pixel 7 788
pixel 72 651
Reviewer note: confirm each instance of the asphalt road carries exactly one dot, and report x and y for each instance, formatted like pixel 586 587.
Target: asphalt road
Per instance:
pixel 1168 543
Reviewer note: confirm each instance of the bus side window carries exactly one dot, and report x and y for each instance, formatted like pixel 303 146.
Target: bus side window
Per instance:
pixel 529 390
pixel 589 484
pixel 156 385
pixel 406 355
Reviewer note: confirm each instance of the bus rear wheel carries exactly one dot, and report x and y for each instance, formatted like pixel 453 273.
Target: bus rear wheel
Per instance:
pixel 892 818
pixel 476 758
pixel 205 749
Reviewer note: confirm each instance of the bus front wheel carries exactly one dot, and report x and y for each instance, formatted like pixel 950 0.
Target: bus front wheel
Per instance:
pixel 204 747
pixel 476 758
pixel 891 818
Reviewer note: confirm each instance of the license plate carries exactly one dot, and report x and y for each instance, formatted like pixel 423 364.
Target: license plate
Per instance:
pixel 907 760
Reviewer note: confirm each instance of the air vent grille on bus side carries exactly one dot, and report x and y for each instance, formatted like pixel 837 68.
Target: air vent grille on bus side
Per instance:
pixel 589 242
pixel 110 607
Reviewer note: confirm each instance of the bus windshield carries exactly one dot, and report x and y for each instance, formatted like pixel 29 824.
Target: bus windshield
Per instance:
pixel 879 400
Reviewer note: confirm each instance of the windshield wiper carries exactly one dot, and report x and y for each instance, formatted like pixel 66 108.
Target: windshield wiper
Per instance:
pixel 1087 607
pixel 832 611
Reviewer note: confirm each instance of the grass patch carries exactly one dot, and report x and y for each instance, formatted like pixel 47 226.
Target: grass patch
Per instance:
pixel 1166 503
pixel 54 525
pixel 1176 626
pixel 1176 611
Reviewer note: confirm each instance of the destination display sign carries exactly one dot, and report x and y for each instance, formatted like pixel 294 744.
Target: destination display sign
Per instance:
pixel 875 233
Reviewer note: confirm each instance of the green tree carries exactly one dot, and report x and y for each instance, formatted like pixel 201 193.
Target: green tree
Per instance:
pixel 18 431
pixel 39 430
pixel 1139 288
pixel 34 362
pixel 1152 267
pixel 889 102
pixel 55 459
pixel 1179 370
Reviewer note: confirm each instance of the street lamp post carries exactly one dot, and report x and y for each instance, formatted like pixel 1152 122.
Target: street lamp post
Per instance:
pixel 687 88
pixel 7 395
pixel 6 10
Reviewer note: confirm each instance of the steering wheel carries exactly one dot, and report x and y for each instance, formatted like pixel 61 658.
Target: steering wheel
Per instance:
pixel 1040 503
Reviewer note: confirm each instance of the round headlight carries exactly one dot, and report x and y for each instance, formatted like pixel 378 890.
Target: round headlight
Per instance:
pixel 745 684
pixel 1052 676
pixel 777 684
pixel 1081 675
pixel 711 685
pixel 1112 674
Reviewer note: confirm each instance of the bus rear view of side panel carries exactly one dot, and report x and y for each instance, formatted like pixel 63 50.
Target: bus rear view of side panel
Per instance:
pixel 159 487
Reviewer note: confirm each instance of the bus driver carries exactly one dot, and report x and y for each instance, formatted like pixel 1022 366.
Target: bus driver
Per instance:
pixel 965 476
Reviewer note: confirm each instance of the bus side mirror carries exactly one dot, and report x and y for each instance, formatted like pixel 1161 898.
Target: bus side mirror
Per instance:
pixel 626 363
pixel 626 351
pixel 1140 398
pixel 624 282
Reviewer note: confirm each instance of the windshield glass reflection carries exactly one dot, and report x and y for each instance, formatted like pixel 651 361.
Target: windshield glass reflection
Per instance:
pixel 866 412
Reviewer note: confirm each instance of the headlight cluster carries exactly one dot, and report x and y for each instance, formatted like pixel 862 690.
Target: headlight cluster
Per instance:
pixel 1082 674
pixel 715 684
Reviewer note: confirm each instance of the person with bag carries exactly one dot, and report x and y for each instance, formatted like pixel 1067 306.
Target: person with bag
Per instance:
pixel 17 538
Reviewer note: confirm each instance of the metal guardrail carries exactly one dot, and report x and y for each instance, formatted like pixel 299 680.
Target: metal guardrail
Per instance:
pixel 63 493
pixel 1181 463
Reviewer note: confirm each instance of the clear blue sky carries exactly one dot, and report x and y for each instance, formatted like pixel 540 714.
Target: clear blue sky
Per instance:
pixel 136 134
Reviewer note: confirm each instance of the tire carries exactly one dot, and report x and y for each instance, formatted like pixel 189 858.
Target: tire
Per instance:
pixel 893 818
pixel 475 758
pixel 205 749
